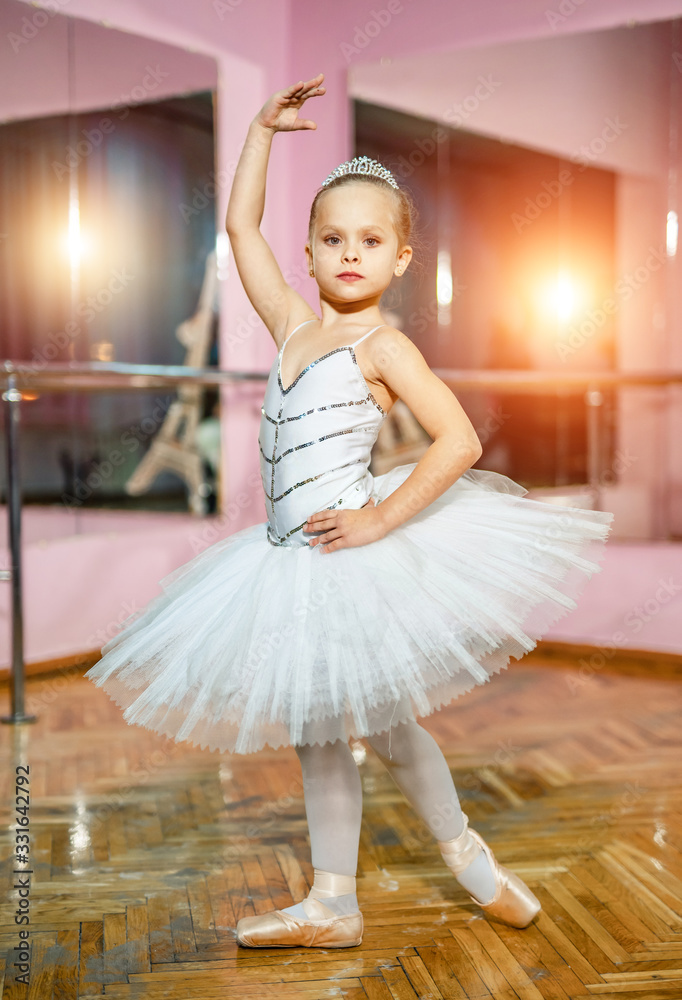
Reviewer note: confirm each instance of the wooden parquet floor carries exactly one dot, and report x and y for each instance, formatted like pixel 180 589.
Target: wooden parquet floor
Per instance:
pixel 145 853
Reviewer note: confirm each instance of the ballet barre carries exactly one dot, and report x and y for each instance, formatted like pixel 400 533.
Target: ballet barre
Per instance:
pixel 17 378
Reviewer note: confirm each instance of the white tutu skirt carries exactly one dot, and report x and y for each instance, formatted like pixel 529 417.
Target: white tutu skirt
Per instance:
pixel 252 644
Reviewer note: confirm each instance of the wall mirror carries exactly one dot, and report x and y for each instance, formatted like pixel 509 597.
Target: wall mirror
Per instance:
pixel 108 171
pixel 546 177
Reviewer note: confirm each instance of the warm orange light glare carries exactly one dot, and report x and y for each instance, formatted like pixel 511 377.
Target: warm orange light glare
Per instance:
pixel 562 298
pixel 76 243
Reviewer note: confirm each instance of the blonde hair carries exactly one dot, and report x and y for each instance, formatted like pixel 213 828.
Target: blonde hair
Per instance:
pixel 404 214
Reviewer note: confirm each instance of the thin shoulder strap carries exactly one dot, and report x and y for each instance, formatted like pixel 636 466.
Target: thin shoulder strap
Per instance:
pixel 367 334
pixel 298 328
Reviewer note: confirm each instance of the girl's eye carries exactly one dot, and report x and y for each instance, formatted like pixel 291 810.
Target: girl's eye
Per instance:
pixel 373 239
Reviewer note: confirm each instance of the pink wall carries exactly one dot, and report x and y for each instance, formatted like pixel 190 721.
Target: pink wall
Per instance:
pixel 425 30
pixel 557 94
pixel 631 603
pixel 260 46
pixel 551 94
pixel 109 66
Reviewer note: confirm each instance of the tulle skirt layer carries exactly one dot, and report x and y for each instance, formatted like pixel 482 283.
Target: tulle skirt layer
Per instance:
pixel 252 644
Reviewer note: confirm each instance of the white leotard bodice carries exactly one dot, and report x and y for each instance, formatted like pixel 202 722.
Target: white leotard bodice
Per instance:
pixel 315 440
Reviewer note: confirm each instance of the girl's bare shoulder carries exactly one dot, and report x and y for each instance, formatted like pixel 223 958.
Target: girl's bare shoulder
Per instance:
pixel 386 344
pixel 385 359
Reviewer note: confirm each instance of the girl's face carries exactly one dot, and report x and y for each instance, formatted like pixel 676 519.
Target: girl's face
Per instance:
pixel 354 232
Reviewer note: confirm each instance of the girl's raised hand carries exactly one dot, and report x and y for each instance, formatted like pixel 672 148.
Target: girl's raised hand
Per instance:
pixel 280 112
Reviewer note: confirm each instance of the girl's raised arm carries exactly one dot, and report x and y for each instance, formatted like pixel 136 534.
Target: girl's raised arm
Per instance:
pixel 270 295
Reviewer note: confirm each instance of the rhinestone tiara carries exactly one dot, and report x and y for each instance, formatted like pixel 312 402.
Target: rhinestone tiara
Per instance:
pixel 362 165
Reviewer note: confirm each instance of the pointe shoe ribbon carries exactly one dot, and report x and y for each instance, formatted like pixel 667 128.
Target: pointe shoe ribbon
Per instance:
pixel 277 929
pixel 513 901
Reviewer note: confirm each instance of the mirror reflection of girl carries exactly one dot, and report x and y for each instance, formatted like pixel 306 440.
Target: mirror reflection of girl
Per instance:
pixel 363 602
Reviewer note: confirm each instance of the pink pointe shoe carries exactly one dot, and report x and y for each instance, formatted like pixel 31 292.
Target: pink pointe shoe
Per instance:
pixel 513 901
pixel 276 929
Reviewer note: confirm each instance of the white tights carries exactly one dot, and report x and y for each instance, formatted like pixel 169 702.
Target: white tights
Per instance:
pixel 333 801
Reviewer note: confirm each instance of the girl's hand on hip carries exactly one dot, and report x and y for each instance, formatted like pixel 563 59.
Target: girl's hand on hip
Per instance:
pixel 346 528
pixel 280 112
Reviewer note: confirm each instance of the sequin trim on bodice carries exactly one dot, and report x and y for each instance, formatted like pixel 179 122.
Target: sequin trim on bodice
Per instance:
pixel 315 440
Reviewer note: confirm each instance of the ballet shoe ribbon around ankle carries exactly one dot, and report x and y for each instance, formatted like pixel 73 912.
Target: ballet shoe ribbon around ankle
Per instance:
pixel 459 853
pixel 328 884
pixel 513 902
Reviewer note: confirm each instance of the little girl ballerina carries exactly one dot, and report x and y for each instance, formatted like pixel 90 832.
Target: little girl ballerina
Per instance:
pixel 362 602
